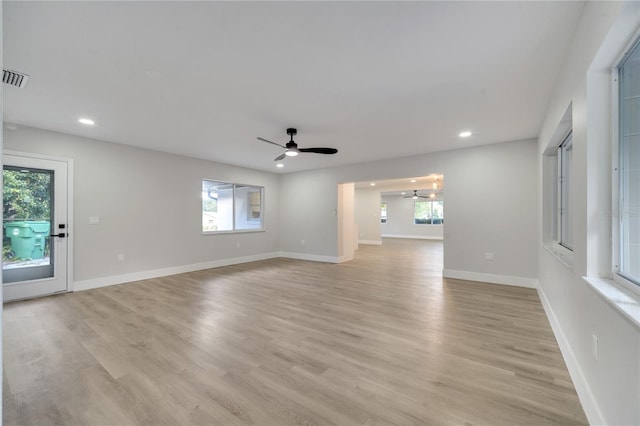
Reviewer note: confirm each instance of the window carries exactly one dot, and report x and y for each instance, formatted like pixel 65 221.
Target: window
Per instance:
pixel 629 166
pixel 564 234
pixel 228 207
pixel 383 213
pixel 428 213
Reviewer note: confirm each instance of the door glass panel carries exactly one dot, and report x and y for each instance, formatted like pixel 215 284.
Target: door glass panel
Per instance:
pixel 27 252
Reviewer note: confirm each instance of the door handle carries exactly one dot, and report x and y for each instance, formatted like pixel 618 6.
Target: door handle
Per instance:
pixel 60 235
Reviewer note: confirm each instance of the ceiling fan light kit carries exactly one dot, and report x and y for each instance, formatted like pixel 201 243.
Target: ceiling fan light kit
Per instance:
pixel 291 148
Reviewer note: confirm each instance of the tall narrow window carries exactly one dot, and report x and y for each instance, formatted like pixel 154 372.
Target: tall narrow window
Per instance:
pixel 629 166
pixel 383 213
pixel 565 164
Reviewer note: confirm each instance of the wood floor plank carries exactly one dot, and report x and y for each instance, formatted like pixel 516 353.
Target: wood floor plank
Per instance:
pixel 380 340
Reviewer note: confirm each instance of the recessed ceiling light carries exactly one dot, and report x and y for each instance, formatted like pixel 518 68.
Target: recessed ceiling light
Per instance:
pixel 465 134
pixel 412 181
pixel 402 193
pixel 86 121
pixel 372 184
pixel 279 165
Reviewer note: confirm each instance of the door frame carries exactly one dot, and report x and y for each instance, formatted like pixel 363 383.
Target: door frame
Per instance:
pixel 69 184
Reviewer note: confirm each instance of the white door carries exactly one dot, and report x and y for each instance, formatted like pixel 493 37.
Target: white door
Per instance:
pixel 35 249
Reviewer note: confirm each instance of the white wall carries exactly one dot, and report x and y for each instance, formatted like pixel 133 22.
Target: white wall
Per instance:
pixel 149 205
pixel 367 215
pixel 400 223
pixel 308 215
pixel 609 387
pixel 481 215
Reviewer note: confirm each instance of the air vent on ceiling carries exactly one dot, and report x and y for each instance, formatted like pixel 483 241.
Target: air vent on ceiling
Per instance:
pixel 14 78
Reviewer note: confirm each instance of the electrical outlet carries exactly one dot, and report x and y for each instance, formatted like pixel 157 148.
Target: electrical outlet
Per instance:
pixel 238 245
pixel 301 242
pixel 594 346
pixel 121 257
pixel 94 220
pixel 488 256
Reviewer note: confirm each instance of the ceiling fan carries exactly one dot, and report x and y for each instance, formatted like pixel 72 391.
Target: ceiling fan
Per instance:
pixel 415 195
pixel 291 148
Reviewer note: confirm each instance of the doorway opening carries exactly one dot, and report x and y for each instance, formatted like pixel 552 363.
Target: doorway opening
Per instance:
pixel 409 208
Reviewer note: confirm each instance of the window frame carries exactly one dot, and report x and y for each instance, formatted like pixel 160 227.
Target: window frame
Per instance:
pixel 551 190
pixel 564 219
pixel 617 212
pixel 234 202
pixel 430 219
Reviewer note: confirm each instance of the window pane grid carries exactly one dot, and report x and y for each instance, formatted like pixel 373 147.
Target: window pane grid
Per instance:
pixel 566 164
pixel 629 166
pixel 428 213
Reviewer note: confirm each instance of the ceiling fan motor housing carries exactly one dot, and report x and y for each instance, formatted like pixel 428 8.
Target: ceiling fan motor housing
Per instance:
pixel 291 144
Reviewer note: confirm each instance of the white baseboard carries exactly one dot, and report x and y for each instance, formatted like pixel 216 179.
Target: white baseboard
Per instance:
pixel 370 242
pixel 163 272
pixel 491 278
pixel 312 257
pixel 412 237
pixel 587 399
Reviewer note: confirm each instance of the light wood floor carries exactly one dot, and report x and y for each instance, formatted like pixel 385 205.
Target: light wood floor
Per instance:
pixel 381 340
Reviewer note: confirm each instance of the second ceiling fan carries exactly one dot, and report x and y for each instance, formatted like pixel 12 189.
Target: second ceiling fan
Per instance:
pixel 291 148
pixel 415 195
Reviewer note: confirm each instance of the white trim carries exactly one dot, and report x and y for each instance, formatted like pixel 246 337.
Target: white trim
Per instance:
pixel 69 189
pixel 586 397
pixel 311 257
pixel 413 237
pixel 370 242
pixel 70 227
pixel 618 296
pixel 163 272
pixel 563 255
pixel 491 278
pixel 237 231
pixel 38 156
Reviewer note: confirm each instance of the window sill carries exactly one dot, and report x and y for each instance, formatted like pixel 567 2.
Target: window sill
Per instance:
pixel 237 231
pixel 563 255
pixel 623 300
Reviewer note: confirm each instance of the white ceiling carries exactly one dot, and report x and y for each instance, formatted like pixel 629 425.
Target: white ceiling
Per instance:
pixel 373 79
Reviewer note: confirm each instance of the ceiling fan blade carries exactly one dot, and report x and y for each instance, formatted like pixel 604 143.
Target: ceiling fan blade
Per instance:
pixel 319 150
pixel 279 157
pixel 272 143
